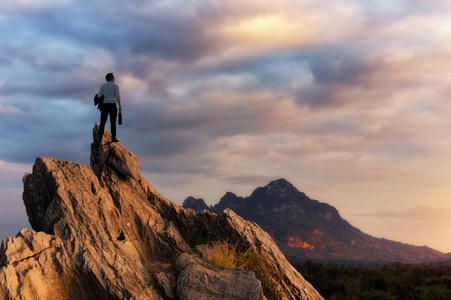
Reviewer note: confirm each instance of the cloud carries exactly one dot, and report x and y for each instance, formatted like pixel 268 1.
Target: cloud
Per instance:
pixel 47 128
pixel 339 71
pixel 24 6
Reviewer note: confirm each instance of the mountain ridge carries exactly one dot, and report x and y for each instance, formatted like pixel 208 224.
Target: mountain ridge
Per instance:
pixel 308 229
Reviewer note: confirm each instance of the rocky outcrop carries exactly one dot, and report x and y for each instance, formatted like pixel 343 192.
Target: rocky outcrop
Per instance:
pixel 201 280
pixel 195 204
pixel 103 232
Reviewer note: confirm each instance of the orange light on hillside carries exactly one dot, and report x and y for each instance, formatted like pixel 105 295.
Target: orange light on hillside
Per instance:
pixel 297 243
pixel 317 232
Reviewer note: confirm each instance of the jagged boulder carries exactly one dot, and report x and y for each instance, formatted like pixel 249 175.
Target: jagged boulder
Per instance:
pixel 103 232
pixel 203 281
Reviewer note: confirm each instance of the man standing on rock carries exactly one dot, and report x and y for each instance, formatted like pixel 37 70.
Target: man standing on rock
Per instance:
pixel 110 91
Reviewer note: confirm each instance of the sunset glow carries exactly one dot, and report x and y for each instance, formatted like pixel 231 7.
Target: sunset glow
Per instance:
pixel 267 31
pixel 297 243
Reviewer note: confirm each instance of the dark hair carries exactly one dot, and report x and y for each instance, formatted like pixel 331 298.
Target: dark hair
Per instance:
pixel 109 76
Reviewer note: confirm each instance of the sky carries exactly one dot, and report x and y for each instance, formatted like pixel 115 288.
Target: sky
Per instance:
pixel 348 100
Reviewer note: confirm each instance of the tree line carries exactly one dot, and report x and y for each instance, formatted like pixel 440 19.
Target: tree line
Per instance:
pixel 371 281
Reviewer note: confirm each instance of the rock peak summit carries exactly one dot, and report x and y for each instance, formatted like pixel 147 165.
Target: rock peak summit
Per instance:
pixel 103 232
pixel 281 187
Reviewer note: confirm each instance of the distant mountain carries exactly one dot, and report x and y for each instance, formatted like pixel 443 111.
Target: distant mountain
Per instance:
pixel 195 204
pixel 308 229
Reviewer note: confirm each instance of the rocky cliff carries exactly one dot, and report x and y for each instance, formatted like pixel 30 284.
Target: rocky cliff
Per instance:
pixel 103 232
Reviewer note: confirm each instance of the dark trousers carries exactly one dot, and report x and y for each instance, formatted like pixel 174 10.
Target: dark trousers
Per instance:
pixel 108 109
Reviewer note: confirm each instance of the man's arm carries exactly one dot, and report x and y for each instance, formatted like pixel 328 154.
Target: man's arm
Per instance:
pixel 100 93
pixel 118 98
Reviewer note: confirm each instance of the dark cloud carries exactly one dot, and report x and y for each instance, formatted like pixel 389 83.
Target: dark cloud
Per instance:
pixel 316 96
pixel 344 71
pixel 88 26
pixel 334 76
pixel 125 31
pixel 158 144
pixel 167 39
pixel 58 129
pixel 140 66
pixel 60 88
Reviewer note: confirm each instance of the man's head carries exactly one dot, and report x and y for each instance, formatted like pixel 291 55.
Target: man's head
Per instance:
pixel 109 77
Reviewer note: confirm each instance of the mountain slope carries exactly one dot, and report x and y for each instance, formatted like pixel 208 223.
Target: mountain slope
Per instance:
pixel 308 229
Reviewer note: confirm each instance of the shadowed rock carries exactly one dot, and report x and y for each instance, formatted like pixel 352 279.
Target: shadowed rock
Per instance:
pixel 200 280
pixel 103 232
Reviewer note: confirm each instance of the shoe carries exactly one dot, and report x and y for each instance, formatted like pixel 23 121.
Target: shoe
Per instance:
pixel 115 140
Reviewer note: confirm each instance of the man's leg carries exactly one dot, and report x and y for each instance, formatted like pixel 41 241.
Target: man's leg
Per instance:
pixel 113 117
pixel 103 118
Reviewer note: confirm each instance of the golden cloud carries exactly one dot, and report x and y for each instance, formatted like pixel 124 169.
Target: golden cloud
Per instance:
pixel 285 25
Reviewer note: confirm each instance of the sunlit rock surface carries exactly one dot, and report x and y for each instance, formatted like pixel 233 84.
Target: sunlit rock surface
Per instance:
pixel 103 232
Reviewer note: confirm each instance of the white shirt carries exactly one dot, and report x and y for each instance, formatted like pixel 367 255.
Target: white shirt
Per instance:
pixel 111 92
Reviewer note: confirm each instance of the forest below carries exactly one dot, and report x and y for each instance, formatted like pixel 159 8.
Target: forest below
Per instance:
pixel 385 282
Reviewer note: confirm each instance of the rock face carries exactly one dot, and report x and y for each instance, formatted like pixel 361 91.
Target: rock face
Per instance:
pixel 103 232
pixel 201 280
